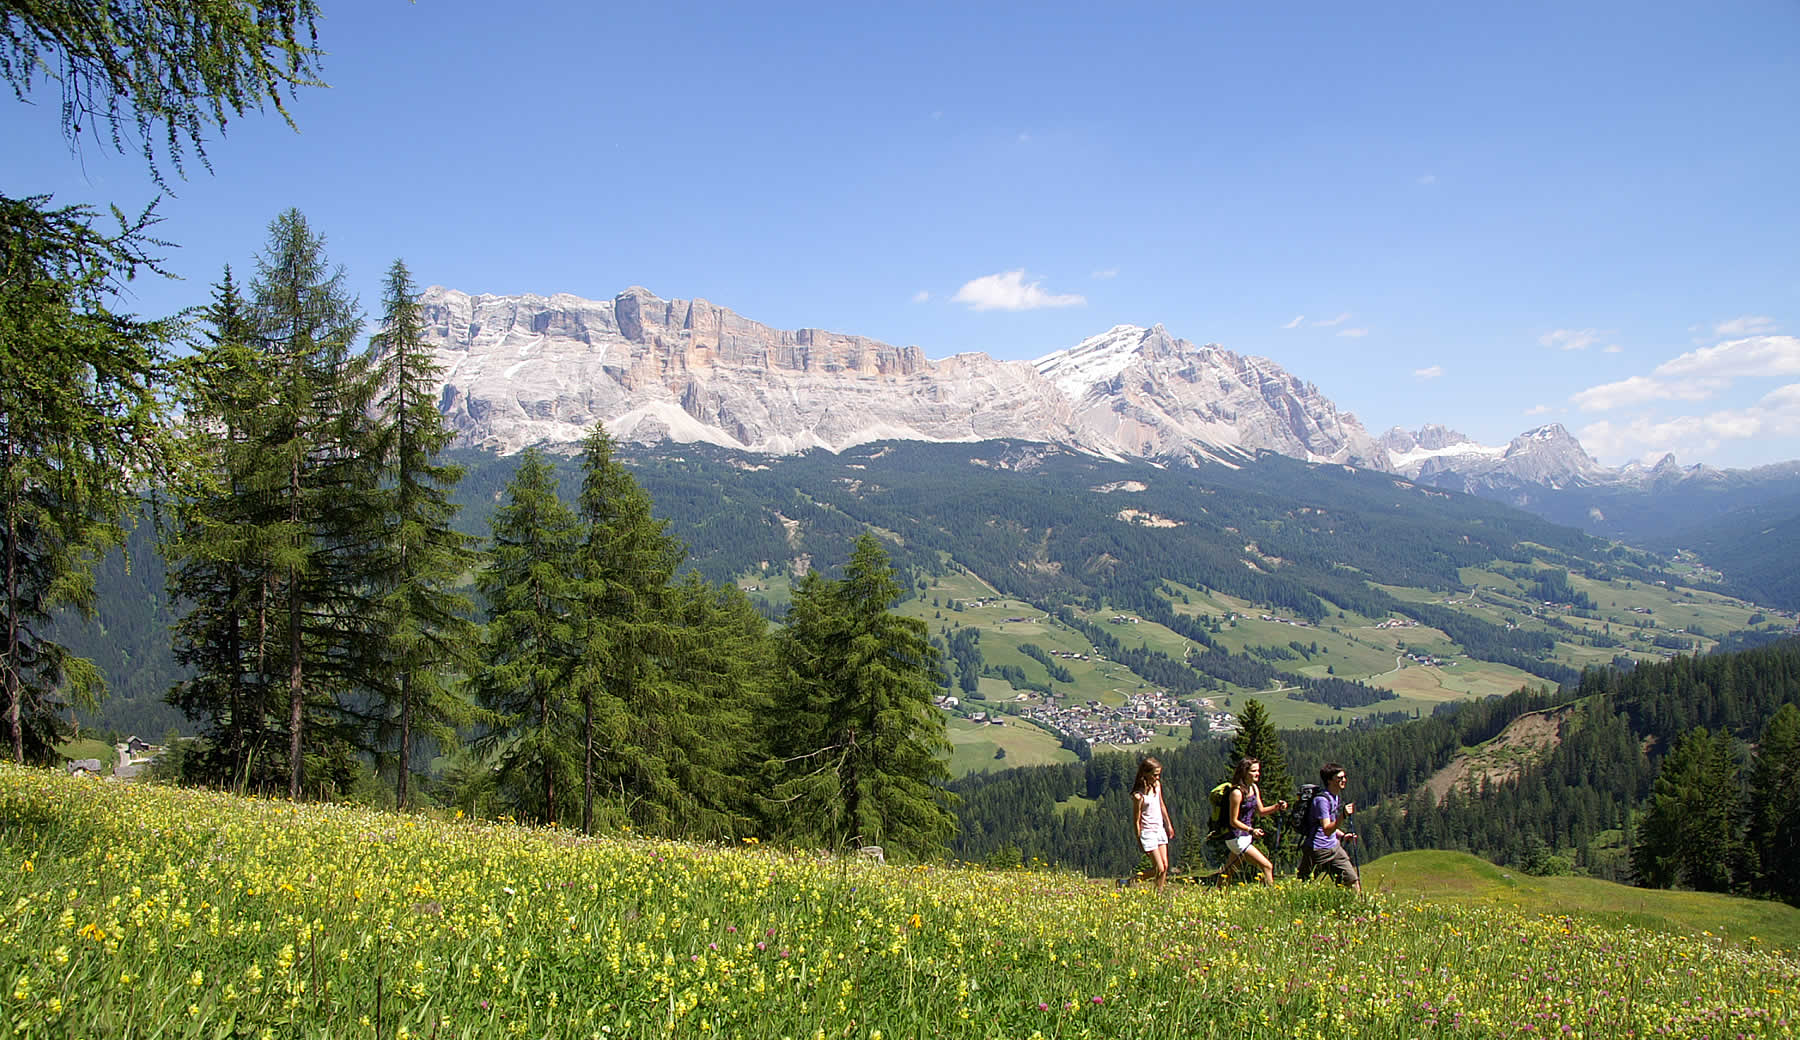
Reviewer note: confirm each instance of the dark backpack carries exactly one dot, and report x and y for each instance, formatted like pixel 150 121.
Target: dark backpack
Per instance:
pixel 1221 806
pixel 1299 818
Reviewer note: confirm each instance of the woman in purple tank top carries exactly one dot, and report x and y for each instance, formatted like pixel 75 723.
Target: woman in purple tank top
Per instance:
pixel 1242 810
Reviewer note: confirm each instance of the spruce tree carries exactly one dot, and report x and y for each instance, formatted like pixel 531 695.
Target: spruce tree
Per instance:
pixel 421 620
pixel 669 677
pixel 216 544
pixel 859 740
pixel 1774 805
pixel 625 564
pixel 532 644
pixel 1689 834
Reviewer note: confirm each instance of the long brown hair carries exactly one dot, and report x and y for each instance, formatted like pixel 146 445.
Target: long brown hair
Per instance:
pixel 1240 777
pixel 1146 775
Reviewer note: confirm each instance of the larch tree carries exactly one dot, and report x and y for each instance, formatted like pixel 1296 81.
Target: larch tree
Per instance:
pixel 162 71
pixel 81 429
pixel 313 458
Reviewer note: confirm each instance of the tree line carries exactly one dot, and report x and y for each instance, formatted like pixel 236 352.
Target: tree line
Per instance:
pixel 334 625
pixel 1682 773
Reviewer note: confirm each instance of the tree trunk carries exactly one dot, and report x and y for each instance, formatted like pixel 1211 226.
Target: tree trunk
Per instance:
pixel 549 767
pixel 400 791
pixel 296 687
pixel 15 691
pixel 587 762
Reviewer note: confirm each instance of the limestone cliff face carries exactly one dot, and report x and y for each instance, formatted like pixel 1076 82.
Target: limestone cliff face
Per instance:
pixel 525 370
pixel 1151 394
pixel 537 370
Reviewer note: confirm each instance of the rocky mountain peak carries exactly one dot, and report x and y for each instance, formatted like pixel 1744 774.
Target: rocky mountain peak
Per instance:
pixel 531 369
pixel 1432 437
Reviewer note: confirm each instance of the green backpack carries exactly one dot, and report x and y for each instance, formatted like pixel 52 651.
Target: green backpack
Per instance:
pixel 1221 809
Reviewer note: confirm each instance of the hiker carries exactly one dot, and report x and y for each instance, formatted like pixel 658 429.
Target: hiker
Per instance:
pixel 1151 818
pixel 1243 807
pixel 1321 845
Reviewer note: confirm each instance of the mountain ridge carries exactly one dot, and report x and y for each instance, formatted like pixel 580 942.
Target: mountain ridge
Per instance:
pixel 529 370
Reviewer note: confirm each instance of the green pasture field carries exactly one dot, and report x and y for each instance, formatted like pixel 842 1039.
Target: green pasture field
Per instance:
pixel 1470 678
pixel 1461 879
pixel 88 748
pixel 1075 803
pixel 138 911
pixel 777 589
pixel 974 746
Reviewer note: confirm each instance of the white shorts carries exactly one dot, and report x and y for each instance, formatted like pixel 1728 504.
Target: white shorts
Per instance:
pixel 1153 839
pixel 1238 842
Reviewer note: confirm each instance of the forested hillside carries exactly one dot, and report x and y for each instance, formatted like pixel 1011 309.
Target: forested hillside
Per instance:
pixel 1074 535
pixel 1582 806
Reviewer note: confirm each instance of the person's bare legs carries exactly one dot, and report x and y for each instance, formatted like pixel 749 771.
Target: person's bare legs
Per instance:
pixel 1160 857
pixel 1254 855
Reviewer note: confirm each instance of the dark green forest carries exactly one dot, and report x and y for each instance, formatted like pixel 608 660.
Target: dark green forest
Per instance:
pixel 1025 518
pixel 1589 804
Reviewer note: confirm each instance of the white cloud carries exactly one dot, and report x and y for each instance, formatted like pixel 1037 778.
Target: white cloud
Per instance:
pixel 1354 333
pixel 1298 318
pixel 1327 322
pixel 1698 374
pixel 1538 409
pixel 1571 339
pixel 1107 273
pixel 1008 291
pixel 1750 357
pixel 1637 390
pixel 1429 373
pixel 1777 414
pixel 921 296
pixel 1613 349
pixel 1747 325
pixel 1429 178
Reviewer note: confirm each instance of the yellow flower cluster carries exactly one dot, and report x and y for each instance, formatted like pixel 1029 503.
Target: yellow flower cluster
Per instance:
pixel 150 911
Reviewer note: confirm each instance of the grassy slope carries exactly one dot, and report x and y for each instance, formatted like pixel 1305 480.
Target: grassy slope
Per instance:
pixel 1461 879
pixel 136 911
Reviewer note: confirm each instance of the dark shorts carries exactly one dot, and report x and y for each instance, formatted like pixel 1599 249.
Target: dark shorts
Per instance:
pixel 1333 861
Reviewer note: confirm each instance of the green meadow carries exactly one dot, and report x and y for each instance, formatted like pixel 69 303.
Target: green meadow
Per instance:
pixel 134 912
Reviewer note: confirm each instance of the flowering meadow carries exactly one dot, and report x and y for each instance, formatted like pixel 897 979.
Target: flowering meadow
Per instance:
pixel 139 911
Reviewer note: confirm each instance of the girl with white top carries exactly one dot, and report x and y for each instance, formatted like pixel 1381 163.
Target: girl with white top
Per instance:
pixel 1151 818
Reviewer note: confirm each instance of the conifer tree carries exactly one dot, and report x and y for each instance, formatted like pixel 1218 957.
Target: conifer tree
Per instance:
pixel 859 739
pixel 80 429
pixel 625 564
pixel 726 659
pixel 1689 834
pixel 422 622
pixel 665 681
pixel 216 546
pixel 311 452
pixel 1774 806
pixel 532 644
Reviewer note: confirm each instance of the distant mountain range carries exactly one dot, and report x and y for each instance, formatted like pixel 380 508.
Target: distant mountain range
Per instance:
pixel 534 370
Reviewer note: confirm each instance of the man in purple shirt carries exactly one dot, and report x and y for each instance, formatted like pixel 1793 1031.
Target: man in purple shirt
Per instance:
pixel 1322 849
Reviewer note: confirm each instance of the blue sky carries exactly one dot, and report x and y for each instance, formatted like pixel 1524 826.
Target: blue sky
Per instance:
pixel 1486 216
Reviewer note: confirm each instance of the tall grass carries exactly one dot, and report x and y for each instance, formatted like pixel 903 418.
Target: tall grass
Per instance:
pixel 137 911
